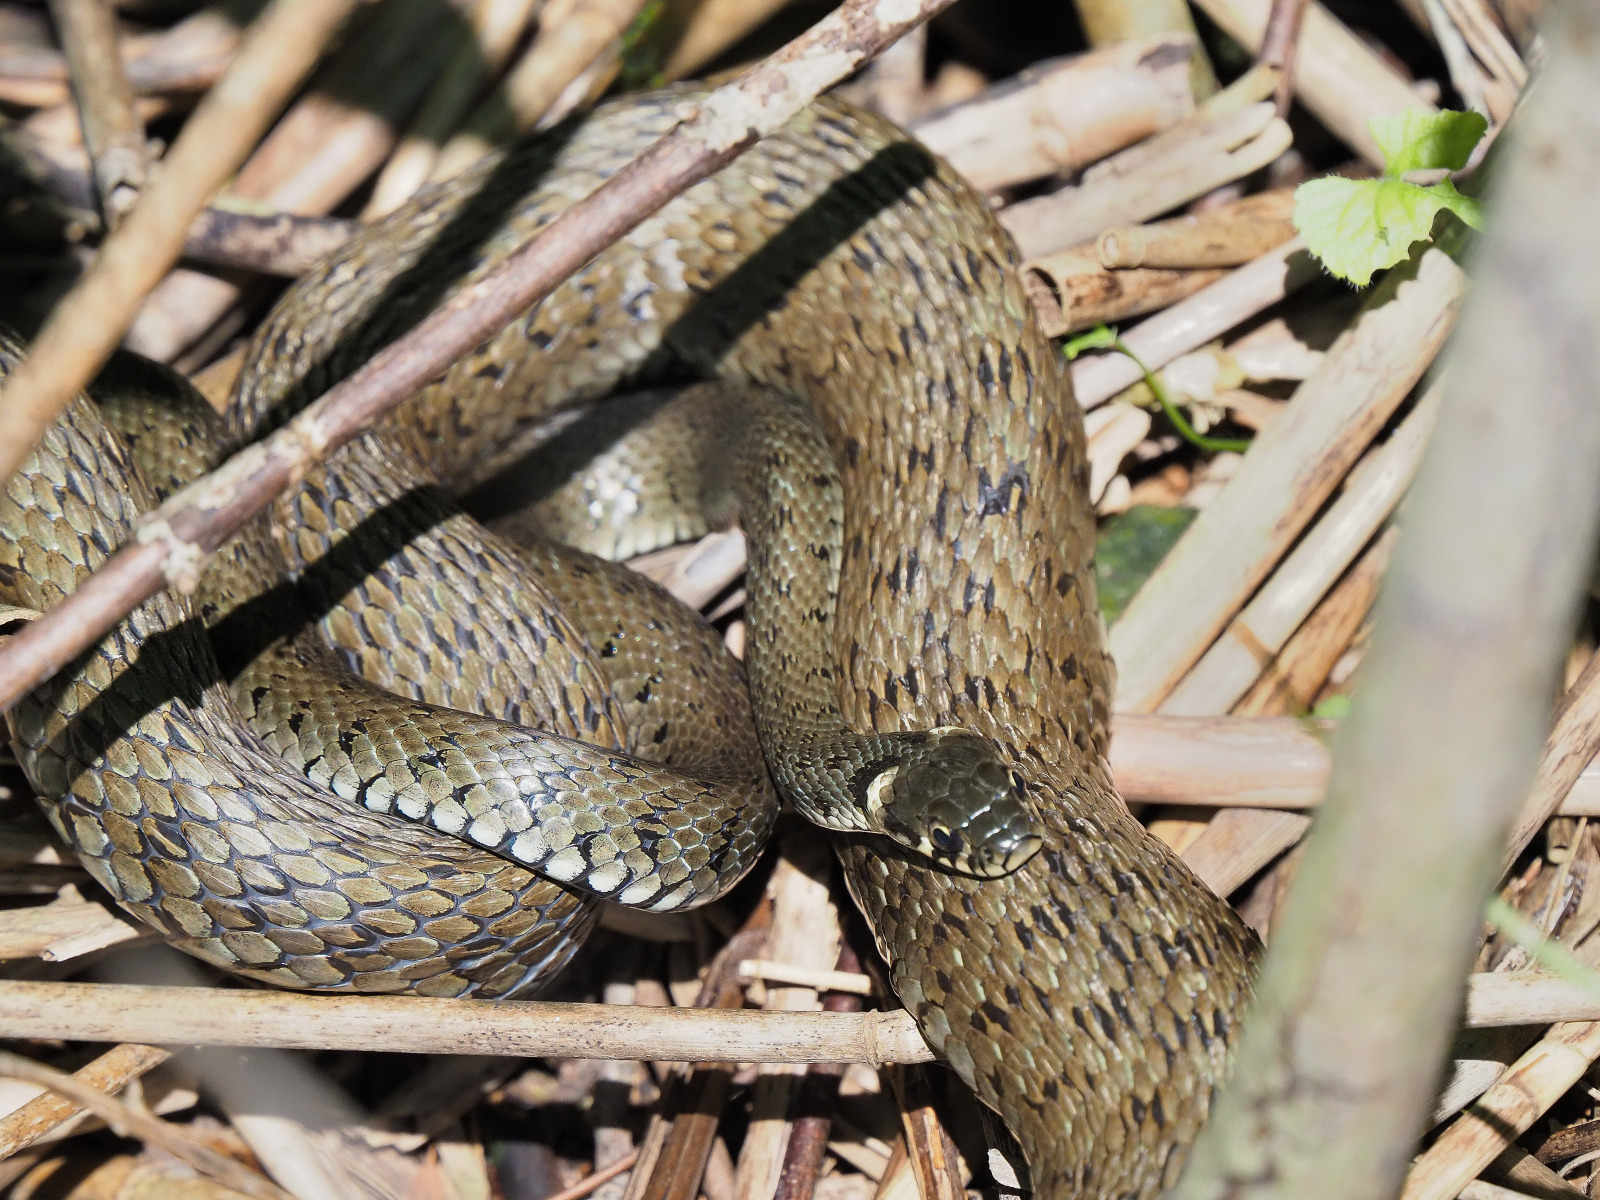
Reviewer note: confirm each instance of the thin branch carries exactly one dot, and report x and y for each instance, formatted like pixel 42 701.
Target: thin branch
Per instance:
pixel 194 522
pixel 1278 45
pixel 104 1012
pixel 130 1122
pixel 112 129
pixel 86 326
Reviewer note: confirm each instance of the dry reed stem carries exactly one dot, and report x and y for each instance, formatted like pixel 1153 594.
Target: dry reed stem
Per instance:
pixel 1337 77
pixel 496 26
pixel 715 26
pixel 131 1122
pixel 113 132
pixel 1288 473
pixel 102 1012
pixel 595 1178
pixel 557 58
pixel 1191 323
pixel 195 521
pixel 1238 657
pixel 277 244
pixel 1221 150
pixel 1071 291
pixel 45 1114
pixel 1062 115
pixel 1334 1072
pixel 1109 21
pixel 1568 751
pixel 769 971
pixel 1229 235
pixel 1135 269
pixel 86 326
pixel 1536 1081
pixel 805 932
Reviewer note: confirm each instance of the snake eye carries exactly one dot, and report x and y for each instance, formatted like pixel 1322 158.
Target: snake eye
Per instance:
pixel 944 839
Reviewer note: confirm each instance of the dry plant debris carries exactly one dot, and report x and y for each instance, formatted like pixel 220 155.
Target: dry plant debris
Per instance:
pixel 1145 165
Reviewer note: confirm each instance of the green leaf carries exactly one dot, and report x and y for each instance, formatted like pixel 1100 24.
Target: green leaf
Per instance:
pixel 1334 708
pixel 1548 953
pixel 1423 141
pixel 1358 226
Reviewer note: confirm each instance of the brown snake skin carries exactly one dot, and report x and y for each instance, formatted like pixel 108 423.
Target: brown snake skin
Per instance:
pixel 1090 996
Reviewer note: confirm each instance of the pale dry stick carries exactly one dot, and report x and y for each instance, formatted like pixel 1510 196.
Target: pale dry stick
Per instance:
pixel 805 933
pixel 86 326
pixel 697 572
pixel 715 26
pixel 1229 235
pixel 1467 76
pixel 1071 291
pixel 1290 682
pixel 816 978
pixel 188 57
pixel 1061 115
pixel 1286 476
pixel 1535 1082
pixel 131 1122
pixel 1191 323
pixel 330 140
pixel 1247 762
pixel 1343 82
pixel 224 233
pixel 557 58
pixel 1278 44
pixel 1221 151
pixel 113 131
pixel 98 1012
pixel 894 82
pixel 1109 21
pixel 1236 843
pixel 197 520
pixel 1132 270
pixel 1568 751
pixel 1237 658
pixel 45 1114
pixel 1334 1071
pixel 496 26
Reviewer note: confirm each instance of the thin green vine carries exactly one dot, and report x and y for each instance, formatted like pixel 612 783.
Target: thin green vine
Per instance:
pixel 1103 337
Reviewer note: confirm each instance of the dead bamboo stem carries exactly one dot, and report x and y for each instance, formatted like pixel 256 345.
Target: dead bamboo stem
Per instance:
pixel 197 520
pixel 102 1012
pixel 86 326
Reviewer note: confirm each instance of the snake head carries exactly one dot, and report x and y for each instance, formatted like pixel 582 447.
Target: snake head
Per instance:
pixel 949 795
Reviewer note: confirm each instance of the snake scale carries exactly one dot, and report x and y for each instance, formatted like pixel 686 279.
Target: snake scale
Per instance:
pixel 1088 996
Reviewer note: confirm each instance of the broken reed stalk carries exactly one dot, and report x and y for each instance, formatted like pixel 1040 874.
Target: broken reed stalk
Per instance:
pixel 107 1012
pixel 85 327
pixel 1193 322
pixel 174 538
pixel 1358 994
pixel 132 1122
pixel 1287 474
pixel 113 132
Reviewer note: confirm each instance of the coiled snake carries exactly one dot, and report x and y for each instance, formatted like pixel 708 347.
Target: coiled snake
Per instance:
pixel 1088 995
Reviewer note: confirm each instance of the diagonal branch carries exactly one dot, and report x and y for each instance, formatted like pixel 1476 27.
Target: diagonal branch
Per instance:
pixel 193 523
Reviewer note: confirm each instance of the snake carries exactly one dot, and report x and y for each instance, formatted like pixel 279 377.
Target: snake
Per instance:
pixel 855 309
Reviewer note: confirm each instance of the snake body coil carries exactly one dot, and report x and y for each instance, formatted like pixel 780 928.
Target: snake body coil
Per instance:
pixel 1088 996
